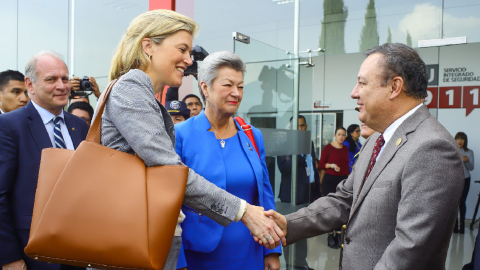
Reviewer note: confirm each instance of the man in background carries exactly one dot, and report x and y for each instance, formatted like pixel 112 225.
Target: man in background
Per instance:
pixel 193 104
pixel 40 124
pixel 178 111
pixel 13 92
pixel 83 110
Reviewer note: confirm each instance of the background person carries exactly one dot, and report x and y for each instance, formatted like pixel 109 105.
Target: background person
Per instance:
pixel 75 83
pixel 193 103
pixel 40 124
pixel 178 111
pixel 308 190
pixel 365 131
pixel 13 92
pixel 334 160
pixel 352 143
pixel 82 110
pixel 468 165
pixel 214 137
pixel 158 45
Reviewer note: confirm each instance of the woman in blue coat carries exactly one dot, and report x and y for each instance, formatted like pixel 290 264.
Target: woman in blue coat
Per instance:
pixel 215 146
pixel 353 144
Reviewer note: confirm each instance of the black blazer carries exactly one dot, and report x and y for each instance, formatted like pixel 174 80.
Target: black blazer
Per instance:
pixel 306 193
pixel 23 136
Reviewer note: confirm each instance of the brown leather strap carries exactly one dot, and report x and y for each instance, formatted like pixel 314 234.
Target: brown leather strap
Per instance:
pixel 95 132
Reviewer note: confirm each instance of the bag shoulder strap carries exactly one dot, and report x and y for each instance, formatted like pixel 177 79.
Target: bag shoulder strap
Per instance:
pixel 248 131
pixel 95 131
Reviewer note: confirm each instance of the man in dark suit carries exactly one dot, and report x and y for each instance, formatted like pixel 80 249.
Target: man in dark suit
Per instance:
pixel 400 202
pixel 308 189
pixel 24 133
pixel 308 180
pixel 13 92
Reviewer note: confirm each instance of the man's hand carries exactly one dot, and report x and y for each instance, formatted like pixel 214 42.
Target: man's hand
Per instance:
pixel 280 220
pixel 271 262
pixel 96 90
pixel 16 265
pixel 262 227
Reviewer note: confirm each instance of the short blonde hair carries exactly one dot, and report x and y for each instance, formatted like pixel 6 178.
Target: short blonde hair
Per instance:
pixel 156 25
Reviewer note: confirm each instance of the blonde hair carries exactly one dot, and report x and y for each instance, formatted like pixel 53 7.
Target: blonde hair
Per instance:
pixel 156 25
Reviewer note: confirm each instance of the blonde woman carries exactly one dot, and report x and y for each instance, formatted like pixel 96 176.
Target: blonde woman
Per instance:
pixel 154 52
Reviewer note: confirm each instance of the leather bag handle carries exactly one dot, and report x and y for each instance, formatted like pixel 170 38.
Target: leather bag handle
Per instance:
pixel 95 132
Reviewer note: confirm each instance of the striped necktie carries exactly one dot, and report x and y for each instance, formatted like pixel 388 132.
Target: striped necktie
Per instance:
pixel 57 132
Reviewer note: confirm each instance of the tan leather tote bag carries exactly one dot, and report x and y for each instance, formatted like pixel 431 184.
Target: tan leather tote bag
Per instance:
pixel 99 207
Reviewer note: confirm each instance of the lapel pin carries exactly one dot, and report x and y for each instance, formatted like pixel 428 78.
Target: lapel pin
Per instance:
pixel 250 149
pixel 73 128
pixel 248 144
pixel 398 141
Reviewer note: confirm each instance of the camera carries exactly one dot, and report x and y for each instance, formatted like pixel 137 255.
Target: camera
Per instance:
pixel 197 54
pixel 85 84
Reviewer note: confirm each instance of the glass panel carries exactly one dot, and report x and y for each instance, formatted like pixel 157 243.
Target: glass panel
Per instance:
pixel 268 21
pixel 461 18
pixel 351 26
pixel 42 27
pixel 97 33
pixel 8 48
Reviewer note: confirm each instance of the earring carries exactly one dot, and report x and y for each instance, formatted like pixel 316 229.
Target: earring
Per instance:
pixel 207 105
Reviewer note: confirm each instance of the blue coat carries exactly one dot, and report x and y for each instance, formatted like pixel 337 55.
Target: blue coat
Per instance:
pixel 200 233
pixel 22 138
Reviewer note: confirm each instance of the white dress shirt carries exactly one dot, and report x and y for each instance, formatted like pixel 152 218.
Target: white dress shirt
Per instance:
pixel 47 118
pixel 388 133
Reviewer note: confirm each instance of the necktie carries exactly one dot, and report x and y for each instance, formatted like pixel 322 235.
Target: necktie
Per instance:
pixel 57 133
pixel 376 150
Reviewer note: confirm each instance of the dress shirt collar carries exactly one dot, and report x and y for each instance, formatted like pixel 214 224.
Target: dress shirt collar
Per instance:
pixel 387 135
pixel 45 114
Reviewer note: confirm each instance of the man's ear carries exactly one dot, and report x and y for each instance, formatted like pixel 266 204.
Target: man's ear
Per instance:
pixel 397 87
pixel 147 46
pixel 29 85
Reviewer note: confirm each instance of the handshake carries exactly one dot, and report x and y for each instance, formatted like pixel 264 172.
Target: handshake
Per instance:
pixel 268 228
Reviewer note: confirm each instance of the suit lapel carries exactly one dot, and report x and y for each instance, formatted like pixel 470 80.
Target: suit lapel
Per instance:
pixel 253 158
pixel 37 128
pixel 409 125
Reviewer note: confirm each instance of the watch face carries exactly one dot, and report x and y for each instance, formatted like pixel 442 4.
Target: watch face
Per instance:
pixel 175 105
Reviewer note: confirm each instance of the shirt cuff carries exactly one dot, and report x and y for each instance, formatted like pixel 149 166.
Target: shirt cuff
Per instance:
pixel 241 210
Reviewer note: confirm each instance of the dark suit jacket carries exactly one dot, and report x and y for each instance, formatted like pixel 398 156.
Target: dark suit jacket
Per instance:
pixel 402 217
pixel 23 136
pixel 306 193
pixel 475 263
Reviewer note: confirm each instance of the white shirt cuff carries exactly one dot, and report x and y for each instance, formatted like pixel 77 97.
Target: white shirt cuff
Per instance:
pixel 241 210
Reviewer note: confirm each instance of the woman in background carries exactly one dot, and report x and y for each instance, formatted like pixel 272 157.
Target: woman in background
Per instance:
pixel 334 160
pixel 352 143
pixel 468 164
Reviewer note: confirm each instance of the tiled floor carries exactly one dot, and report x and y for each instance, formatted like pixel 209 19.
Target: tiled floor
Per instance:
pixel 321 257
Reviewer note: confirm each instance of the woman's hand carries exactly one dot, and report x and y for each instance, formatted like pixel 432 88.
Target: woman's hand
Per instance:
pixel 335 167
pixel 465 159
pixel 271 262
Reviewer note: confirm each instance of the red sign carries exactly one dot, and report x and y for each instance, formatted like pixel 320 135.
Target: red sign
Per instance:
pixel 450 97
pixel 470 98
pixel 432 97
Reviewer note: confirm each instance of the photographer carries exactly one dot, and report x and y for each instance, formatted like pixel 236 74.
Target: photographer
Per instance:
pixel 87 84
